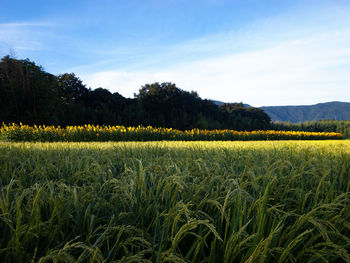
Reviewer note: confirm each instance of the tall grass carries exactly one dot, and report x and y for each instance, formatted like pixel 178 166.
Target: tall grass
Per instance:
pixel 175 202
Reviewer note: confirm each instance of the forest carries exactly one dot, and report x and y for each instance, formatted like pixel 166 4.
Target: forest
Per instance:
pixel 30 95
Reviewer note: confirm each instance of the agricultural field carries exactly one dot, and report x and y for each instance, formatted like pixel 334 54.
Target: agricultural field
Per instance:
pixel 267 201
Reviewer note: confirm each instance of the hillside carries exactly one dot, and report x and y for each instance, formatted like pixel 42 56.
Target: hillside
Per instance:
pixel 321 111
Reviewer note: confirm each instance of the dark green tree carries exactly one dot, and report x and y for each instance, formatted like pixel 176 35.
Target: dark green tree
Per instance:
pixel 33 96
pixel 245 118
pixel 27 92
pixel 166 105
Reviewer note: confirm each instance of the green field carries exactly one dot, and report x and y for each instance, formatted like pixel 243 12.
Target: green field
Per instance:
pixel 271 201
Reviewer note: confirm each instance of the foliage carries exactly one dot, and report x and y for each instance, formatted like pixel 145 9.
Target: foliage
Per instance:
pixel 238 112
pixel 342 127
pixel 121 133
pixel 175 202
pixel 169 106
pixel 26 91
pixel 30 95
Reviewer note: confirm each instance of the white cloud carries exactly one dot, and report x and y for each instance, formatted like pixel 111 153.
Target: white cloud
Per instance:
pixel 301 71
pixel 294 58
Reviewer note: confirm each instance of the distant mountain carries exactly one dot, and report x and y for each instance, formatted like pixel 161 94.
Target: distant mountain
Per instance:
pixel 323 111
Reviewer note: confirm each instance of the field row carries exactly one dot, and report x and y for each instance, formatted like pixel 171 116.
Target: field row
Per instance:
pixel 21 132
pixel 175 202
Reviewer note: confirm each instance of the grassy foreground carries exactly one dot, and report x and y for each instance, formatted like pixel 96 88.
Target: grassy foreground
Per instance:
pixel 175 202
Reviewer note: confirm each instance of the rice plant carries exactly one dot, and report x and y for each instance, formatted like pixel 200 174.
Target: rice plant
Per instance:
pixel 272 201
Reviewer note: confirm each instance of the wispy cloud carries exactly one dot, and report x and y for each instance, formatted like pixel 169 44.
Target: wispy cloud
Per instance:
pixel 306 70
pixel 25 24
pixel 20 36
pixel 296 56
pixel 299 57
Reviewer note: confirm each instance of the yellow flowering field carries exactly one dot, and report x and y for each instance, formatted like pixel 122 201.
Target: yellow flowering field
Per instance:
pixel 21 132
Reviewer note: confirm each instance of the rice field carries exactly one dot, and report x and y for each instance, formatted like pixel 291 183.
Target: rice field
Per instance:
pixel 267 201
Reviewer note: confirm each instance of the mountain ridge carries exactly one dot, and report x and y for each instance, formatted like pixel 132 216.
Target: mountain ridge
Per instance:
pixel 333 110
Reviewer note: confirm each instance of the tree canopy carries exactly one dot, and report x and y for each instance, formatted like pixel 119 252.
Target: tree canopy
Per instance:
pixel 30 95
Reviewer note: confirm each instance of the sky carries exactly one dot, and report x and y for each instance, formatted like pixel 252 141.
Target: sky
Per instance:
pixel 259 52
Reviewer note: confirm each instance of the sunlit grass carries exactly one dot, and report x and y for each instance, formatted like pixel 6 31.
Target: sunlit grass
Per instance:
pixel 274 201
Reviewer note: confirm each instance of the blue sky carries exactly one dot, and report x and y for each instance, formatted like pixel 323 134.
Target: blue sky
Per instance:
pixel 260 52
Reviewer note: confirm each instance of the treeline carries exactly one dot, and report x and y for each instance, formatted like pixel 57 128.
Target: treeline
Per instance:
pixel 30 95
pixel 342 127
